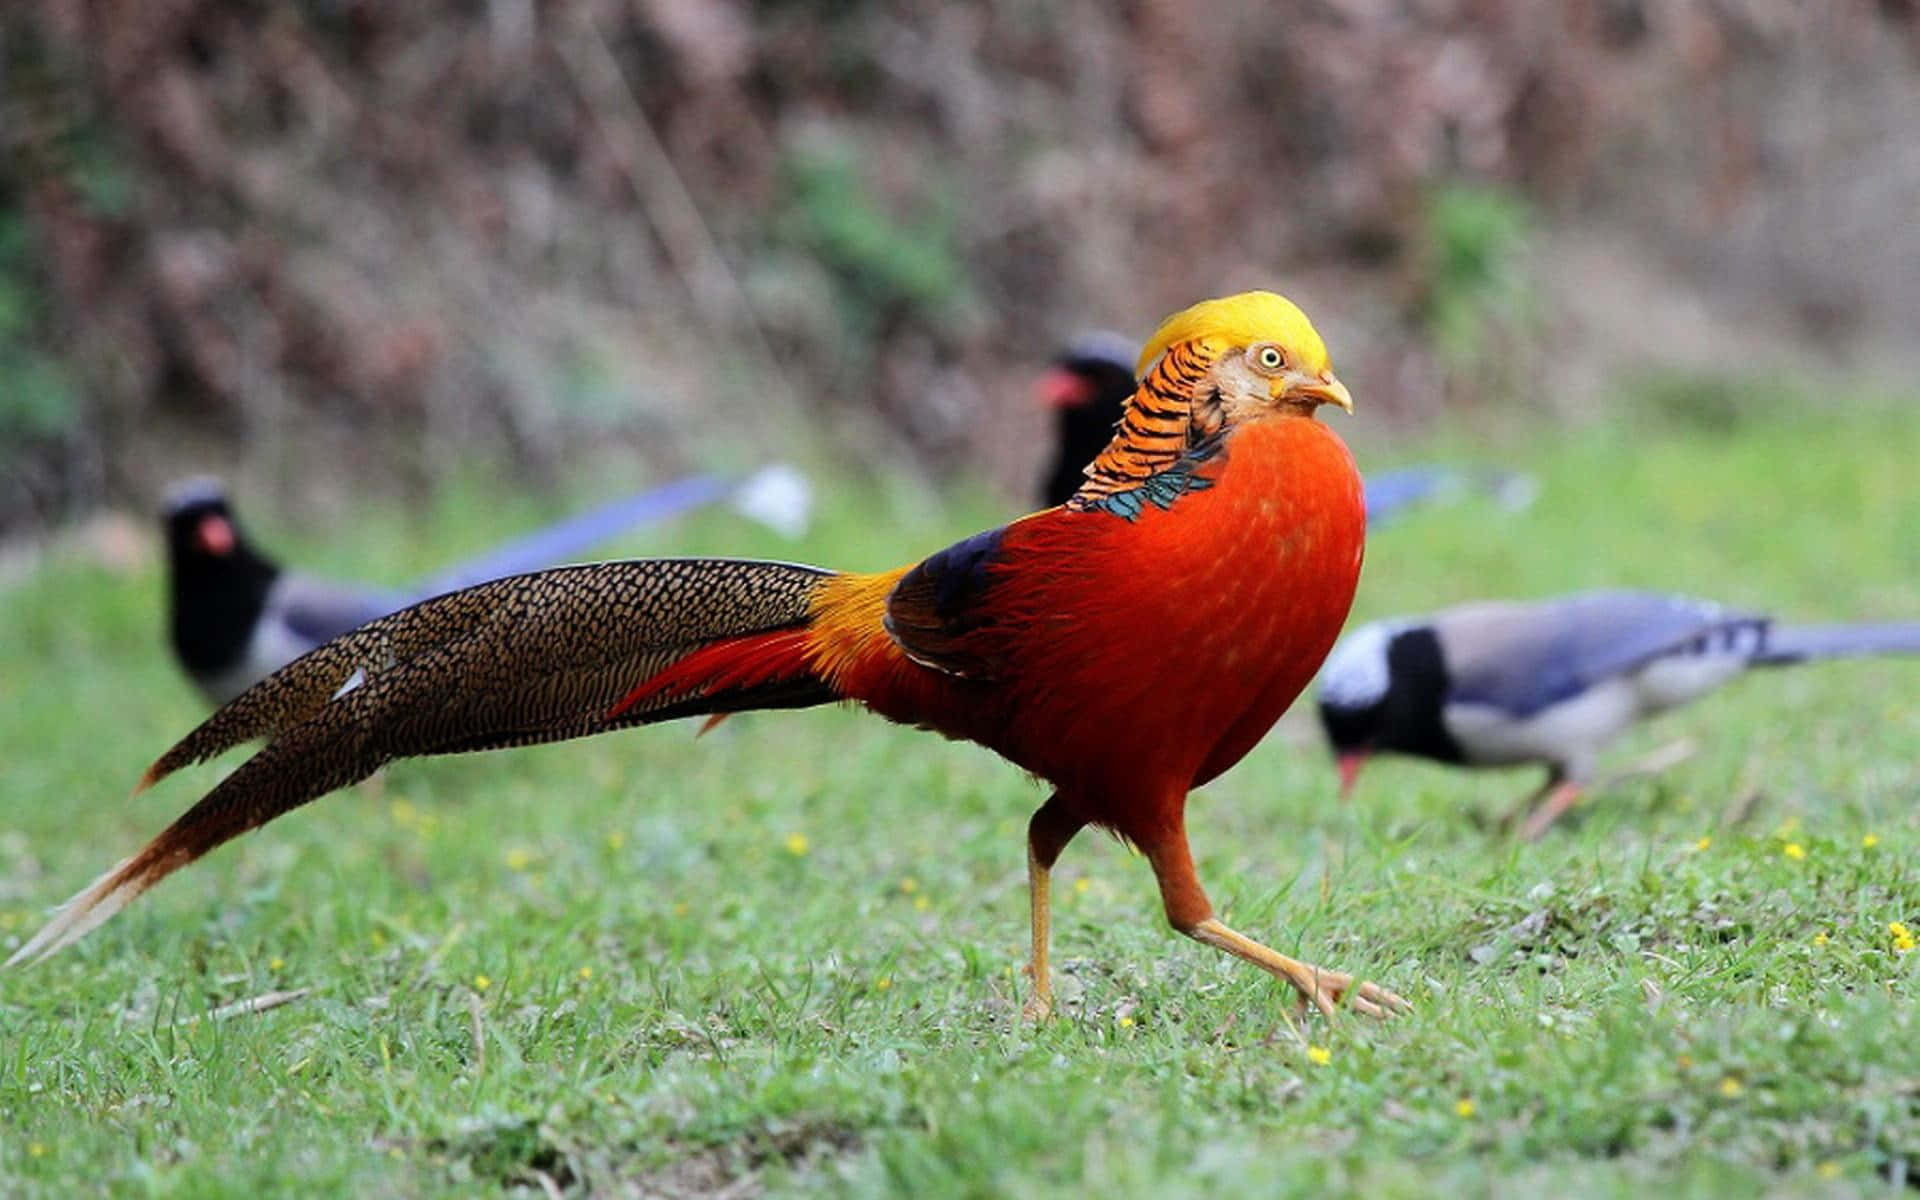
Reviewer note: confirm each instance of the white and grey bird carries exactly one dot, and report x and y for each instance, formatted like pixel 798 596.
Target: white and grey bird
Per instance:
pixel 235 616
pixel 1552 681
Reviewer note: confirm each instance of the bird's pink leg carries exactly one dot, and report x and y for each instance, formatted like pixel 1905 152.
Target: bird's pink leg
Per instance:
pixel 1559 798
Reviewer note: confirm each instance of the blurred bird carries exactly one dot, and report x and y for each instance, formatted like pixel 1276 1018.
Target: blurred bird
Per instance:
pixel 1125 648
pixel 236 616
pixel 1552 682
pixel 1087 388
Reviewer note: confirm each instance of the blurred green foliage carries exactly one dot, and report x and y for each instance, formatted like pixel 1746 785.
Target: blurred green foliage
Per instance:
pixel 1475 280
pixel 883 265
pixel 1713 401
pixel 55 137
pixel 39 399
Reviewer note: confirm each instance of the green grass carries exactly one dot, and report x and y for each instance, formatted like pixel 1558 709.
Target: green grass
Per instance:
pixel 785 956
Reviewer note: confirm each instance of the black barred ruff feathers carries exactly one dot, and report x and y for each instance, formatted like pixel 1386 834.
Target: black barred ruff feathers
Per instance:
pixel 1160 425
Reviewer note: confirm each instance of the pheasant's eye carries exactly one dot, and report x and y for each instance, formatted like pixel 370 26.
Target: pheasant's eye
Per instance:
pixel 1269 358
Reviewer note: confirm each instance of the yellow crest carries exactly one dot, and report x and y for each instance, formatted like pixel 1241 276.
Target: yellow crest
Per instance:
pixel 1241 320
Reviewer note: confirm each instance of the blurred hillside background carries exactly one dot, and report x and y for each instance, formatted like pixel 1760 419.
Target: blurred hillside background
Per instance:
pixel 354 247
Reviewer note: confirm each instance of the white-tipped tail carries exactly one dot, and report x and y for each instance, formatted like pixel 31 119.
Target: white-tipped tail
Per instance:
pixel 79 916
pixel 777 496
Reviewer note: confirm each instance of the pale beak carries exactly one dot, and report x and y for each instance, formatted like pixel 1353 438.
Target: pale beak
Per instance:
pixel 1323 387
pixel 1350 764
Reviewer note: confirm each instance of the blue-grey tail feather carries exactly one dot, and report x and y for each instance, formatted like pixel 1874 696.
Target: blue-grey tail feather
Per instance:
pixel 1787 644
pixel 571 538
pixel 1390 493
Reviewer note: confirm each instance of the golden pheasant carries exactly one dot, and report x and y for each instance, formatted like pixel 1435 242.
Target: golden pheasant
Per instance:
pixel 1125 647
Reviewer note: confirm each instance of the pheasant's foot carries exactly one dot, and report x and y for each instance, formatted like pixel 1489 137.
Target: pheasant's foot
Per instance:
pixel 1039 1005
pixel 1322 989
pixel 1326 990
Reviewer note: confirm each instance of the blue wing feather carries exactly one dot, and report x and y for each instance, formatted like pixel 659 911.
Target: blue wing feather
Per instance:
pixel 1544 654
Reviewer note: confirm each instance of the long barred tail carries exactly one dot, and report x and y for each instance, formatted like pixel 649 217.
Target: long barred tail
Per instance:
pixel 534 658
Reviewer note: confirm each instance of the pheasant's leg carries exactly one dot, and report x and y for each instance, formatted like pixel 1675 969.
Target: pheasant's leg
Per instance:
pixel 1189 912
pixel 1317 986
pixel 1048 833
pixel 1039 1004
pixel 1560 797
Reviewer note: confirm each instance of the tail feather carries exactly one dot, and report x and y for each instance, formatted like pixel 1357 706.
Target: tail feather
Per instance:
pixel 82 914
pixel 535 658
pixel 1787 644
pixel 580 533
pixel 736 664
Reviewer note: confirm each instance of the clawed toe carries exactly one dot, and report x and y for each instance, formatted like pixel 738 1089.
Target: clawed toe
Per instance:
pixel 1376 1001
pixel 1326 990
pixel 1321 988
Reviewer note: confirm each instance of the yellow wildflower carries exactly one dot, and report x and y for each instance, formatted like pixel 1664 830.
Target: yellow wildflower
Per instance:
pixel 1319 1056
pixel 519 859
pixel 1902 937
pixel 1705 841
pixel 1794 850
pixel 797 844
pixel 909 885
pixel 586 972
pixel 36 1149
pixel 1828 1170
pixel 1465 1108
pixel 1820 939
pixel 1731 1087
pixel 276 963
pixel 921 904
pixel 481 983
pixel 1866 843
pixel 883 983
pixel 1125 1022
pixel 1082 886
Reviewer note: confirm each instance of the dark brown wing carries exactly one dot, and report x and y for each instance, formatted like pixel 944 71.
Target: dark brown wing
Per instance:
pixel 937 612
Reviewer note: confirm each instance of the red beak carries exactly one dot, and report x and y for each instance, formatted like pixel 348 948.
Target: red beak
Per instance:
pixel 215 536
pixel 1350 764
pixel 1061 388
